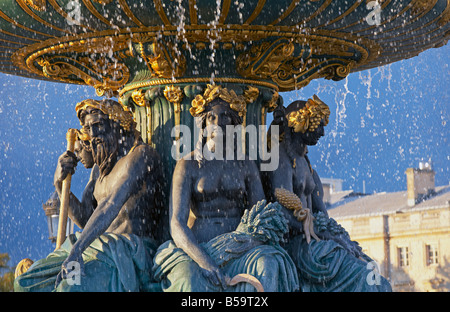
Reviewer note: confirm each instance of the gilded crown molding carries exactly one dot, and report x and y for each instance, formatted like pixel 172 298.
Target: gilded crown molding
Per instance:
pixel 292 63
pixel 175 42
pixel 288 62
pixel 39 5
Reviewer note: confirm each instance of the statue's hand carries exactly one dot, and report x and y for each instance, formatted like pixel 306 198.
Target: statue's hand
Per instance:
pixel 67 163
pixel 72 269
pixel 214 275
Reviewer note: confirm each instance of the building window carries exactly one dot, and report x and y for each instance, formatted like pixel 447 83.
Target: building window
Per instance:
pixel 432 254
pixel 403 256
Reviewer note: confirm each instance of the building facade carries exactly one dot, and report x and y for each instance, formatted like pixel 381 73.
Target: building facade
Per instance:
pixel 408 237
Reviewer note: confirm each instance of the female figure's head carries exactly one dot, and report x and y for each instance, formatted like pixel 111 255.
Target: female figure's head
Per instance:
pixel 213 120
pixel 302 123
pixel 307 120
pixel 303 120
pixel 213 111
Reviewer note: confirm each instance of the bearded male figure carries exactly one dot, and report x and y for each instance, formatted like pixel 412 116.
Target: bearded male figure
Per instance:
pixel 119 211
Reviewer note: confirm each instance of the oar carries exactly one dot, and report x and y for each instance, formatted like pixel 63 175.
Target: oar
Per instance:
pixel 71 137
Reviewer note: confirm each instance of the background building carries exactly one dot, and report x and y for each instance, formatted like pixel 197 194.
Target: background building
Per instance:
pixel 407 233
pixel 331 186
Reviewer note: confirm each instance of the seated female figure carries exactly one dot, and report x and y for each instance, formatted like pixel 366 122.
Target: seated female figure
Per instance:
pixel 331 262
pixel 208 199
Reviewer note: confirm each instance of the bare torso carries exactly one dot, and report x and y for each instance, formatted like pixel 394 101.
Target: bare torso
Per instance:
pixel 218 198
pixel 303 181
pixel 135 215
pixel 295 176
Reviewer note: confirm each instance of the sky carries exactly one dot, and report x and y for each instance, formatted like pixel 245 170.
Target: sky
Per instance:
pixel 382 122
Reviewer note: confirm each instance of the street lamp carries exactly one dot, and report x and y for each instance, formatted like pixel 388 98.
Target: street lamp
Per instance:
pixel 51 208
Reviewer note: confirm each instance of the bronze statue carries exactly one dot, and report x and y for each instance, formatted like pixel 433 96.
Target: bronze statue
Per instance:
pixel 82 153
pixel 330 261
pixel 207 201
pixel 120 208
pixel 301 124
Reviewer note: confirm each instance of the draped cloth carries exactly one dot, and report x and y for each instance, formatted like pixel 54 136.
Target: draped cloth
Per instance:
pixel 112 263
pixel 270 264
pixel 325 266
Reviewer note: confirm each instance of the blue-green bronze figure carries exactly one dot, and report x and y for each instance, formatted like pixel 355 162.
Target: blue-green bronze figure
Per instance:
pixel 329 261
pixel 211 239
pixel 120 211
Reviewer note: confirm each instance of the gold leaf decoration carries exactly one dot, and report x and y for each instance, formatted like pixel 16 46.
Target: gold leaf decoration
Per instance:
pixel 174 95
pixel 309 117
pixel 138 97
pixel 22 267
pixel 236 102
pixel 114 112
pixel 292 202
pixel 38 5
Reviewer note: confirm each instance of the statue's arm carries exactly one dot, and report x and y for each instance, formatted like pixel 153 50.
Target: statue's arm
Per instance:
pixel 88 202
pixel 317 196
pixel 78 211
pixel 255 191
pixel 179 207
pixel 318 206
pixel 125 184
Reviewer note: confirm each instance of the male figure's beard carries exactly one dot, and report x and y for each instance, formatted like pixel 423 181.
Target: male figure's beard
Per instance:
pixel 105 153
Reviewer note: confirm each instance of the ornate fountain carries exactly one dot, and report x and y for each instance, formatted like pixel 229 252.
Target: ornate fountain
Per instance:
pixel 156 56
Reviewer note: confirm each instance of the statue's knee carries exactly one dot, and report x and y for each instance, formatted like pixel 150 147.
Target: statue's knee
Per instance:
pixel 187 276
pixel 190 270
pixel 267 265
pixel 268 270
